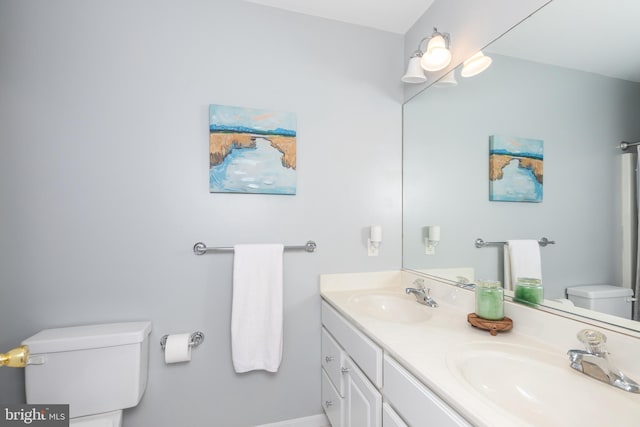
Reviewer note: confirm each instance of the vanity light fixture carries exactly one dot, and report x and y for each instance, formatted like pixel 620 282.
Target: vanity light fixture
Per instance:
pixel 436 57
pixel 447 80
pixel 375 238
pixel 476 64
pixel 415 73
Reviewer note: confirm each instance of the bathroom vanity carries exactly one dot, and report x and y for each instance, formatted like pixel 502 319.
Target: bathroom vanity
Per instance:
pixel 354 370
pixel 389 361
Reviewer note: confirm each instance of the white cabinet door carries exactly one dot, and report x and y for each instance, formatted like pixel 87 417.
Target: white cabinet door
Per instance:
pixel 363 402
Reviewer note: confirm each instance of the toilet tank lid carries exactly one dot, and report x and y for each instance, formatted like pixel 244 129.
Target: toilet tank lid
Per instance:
pixel 599 291
pixel 87 337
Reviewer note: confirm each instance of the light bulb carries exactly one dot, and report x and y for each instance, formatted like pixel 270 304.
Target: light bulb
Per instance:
pixel 476 64
pixel 437 56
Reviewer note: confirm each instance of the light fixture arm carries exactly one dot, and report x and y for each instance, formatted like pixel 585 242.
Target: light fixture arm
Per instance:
pixel 445 36
pixel 416 54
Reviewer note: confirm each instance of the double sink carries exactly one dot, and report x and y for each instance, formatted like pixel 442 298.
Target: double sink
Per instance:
pixel 530 382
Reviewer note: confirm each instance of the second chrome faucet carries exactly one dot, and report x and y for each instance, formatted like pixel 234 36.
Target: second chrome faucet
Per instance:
pixel 594 361
pixel 421 294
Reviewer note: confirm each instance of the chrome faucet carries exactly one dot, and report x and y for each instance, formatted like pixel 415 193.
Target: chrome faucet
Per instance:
pixel 594 361
pixel 464 283
pixel 421 294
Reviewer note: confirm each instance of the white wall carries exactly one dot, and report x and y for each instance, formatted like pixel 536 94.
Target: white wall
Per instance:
pixel 104 182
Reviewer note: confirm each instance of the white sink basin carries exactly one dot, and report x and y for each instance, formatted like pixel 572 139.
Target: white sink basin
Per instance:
pixel 390 306
pixel 540 387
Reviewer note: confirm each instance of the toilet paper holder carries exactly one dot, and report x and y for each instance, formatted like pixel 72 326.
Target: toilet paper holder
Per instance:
pixel 196 339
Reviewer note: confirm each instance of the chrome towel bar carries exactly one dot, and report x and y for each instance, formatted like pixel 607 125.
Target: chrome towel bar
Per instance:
pixel 542 242
pixel 200 248
pixel 626 144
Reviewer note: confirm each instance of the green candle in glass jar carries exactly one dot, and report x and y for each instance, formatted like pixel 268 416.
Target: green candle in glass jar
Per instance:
pixel 528 290
pixel 490 300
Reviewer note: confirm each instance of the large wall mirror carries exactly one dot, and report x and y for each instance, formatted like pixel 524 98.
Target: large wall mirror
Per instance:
pixel 566 76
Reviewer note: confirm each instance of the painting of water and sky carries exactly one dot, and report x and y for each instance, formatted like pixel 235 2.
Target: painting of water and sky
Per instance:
pixel 515 169
pixel 251 150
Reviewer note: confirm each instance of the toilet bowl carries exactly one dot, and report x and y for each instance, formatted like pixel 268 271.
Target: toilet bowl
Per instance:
pixel 614 300
pixel 98 370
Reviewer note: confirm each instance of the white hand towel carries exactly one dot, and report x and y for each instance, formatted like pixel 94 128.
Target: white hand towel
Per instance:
pixel 521 259
pixel 257 307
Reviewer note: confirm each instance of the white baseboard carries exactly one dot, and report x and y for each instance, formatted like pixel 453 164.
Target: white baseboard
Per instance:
pixel 312 421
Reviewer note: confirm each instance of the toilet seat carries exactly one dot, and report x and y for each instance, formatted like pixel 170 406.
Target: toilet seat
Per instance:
pixel 107 419
pixel 564 301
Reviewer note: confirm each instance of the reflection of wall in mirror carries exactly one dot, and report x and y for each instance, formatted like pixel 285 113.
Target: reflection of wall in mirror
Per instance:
pixel 580 116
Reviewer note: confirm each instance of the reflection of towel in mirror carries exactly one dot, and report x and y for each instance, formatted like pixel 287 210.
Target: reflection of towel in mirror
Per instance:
pixel 257 307
pixel 521 259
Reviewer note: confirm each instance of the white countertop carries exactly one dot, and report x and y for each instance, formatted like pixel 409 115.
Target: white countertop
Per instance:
pixel 431 349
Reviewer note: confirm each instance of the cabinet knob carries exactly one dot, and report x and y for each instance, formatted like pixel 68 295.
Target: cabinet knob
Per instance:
pixel 328 403
pixel 329 358
pixel 344 370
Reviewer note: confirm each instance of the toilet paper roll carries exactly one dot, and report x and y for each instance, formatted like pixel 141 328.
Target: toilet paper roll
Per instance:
pixel 177 348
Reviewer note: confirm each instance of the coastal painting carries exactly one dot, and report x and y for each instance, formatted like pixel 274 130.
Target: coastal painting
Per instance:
pixel 251 150
pixel 515 169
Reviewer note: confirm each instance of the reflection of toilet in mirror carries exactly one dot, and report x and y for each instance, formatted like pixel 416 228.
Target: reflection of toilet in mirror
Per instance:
pixel 608 299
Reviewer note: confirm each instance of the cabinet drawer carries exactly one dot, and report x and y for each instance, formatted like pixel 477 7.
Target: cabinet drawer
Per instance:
pixel 390 418
pixel 333 361
pixel 332 403
pixel 417 404
pixel 364 352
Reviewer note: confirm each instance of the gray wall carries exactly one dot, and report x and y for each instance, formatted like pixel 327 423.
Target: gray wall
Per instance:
pixel 581 118
pixel 104 182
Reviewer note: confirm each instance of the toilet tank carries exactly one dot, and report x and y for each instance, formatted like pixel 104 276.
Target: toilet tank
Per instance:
pixel 93 368
pixel 608 299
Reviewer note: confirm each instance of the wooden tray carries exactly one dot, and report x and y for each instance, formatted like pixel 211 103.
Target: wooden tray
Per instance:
pixel 493 326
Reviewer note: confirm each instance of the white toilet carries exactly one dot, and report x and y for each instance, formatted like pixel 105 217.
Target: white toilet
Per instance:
pixel 608 299
pixel 98 370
